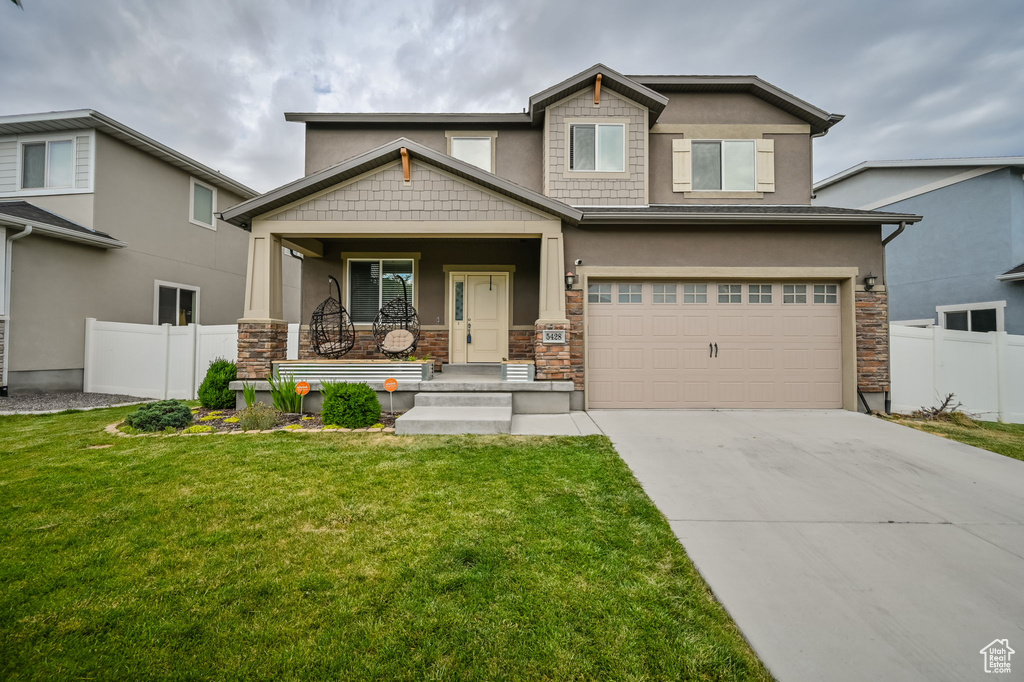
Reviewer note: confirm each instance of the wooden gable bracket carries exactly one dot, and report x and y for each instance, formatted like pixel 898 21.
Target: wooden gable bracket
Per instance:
pixel 597 90
pixel 406 165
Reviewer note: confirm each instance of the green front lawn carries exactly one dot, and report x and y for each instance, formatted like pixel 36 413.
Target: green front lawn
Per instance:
pixel 1006 439
pixel 328 556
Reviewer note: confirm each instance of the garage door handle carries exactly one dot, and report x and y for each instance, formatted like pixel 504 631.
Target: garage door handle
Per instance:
pixel 716 350
pixel 711 350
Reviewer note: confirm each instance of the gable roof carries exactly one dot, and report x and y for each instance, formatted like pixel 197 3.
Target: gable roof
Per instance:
pixel 973 162
pixel 20 214
pixel 819 119
pixel 58 121
pixel 624 85
pixel 243 213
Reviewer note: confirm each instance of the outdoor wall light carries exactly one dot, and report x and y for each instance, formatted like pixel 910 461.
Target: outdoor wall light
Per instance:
pixel 570 279
pixel 869 282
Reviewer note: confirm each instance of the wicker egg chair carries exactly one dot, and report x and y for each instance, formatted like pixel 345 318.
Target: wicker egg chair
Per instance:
pixel 331 332
pixel 396 329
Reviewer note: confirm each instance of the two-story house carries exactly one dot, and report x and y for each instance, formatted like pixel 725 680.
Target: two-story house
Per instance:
pixel 962 267
pixel 663 222
pixel 98 220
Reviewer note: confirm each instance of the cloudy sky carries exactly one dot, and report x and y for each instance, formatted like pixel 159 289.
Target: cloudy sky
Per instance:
pixel 212 78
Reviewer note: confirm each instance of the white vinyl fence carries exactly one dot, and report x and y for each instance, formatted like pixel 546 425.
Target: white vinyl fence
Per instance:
pixel 158 361
pixel 985 371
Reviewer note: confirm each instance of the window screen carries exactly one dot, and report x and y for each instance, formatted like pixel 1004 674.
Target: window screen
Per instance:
pixel 33 166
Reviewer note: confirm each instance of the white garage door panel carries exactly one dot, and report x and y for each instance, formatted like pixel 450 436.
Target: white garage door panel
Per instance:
pixel 646 354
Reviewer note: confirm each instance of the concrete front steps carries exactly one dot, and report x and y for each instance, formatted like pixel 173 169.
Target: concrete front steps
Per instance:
pixel 457 413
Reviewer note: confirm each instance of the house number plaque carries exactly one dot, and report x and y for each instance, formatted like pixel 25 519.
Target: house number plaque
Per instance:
pixel 554 336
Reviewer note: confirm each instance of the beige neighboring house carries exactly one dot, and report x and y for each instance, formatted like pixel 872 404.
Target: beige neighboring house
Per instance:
pixel 98 220
pixel 701 275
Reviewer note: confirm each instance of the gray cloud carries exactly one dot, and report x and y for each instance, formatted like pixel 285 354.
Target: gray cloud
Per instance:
pixel 916 78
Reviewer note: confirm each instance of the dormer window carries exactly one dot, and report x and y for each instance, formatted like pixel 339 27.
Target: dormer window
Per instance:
pixel 725 165
pixel 599 147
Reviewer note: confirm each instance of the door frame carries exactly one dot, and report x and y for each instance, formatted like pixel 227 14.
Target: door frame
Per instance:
pixel 506 271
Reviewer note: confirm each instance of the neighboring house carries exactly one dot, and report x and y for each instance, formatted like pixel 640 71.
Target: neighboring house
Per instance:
pixel 702 275
pixel 962 267
pixel 98 220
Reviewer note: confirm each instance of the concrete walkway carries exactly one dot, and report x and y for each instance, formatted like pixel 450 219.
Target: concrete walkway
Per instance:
pixel 845 547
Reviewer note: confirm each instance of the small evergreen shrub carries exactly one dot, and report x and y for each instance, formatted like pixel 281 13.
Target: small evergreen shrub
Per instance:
pixel 214 393
pixel 350 406
pixel 159 415
pixel 258 417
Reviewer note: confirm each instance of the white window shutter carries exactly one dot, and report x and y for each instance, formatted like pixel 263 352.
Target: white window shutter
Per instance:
pixel 682 171
pixel 765 165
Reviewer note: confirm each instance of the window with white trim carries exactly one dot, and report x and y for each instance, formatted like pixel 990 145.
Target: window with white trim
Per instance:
pixel 48 164
pixel 759 293
pixel 598 147
pixel 175 304
pixel 794 293
pixel 474 150
pixel 599 293
pixel 826 293
pixel 728 165
pixel 987 316
pixel 730 293
pixel 202 200
pixel 374 282
pixel 664 293
pixel 695 293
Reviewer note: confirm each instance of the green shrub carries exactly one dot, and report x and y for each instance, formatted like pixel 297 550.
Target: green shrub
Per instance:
pixel 282 391
pixel 214 393
pixel 159 415
pixel 258 417
pixel 199 428
pixel 350 406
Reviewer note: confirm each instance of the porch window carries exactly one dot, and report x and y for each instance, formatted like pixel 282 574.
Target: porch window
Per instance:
pixel 372 283
pixel 176 304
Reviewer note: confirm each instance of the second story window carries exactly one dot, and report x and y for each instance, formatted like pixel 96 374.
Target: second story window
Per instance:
pixel 47 164
pixel 202 201
pixel 599 147
pixel 724 165
pixel 473 150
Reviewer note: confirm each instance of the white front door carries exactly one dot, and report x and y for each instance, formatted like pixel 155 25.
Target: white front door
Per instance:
pixel 479 317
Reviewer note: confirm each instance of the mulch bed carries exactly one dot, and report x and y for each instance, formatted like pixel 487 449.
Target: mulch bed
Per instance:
pixel 308 420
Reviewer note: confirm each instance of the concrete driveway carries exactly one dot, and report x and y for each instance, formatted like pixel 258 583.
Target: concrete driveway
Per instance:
pixel 845 547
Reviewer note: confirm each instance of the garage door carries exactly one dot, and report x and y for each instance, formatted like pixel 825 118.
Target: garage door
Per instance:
pixel 669 344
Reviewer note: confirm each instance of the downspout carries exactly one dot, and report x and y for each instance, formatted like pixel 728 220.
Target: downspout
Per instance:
pixel 9 246
pixel 897 233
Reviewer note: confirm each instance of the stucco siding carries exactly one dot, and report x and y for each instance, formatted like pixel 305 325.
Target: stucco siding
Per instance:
pixel 735 246
pixel 518 154
pixel 953 256
pixel 722 108
pixel 875 184
pixel 576 187
pixel 430 195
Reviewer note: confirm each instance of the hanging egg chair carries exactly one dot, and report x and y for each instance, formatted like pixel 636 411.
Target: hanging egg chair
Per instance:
pixel 396 329
pixel 330 328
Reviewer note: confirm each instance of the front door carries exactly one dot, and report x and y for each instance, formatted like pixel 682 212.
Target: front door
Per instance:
pixel 479 308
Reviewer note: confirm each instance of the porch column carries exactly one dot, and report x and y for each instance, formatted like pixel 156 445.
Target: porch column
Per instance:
pixel 262 334
pixel 552 280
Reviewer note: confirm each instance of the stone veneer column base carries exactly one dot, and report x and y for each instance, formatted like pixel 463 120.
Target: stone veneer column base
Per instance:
pixel 872 347
pixel 260 344
pixel 558 362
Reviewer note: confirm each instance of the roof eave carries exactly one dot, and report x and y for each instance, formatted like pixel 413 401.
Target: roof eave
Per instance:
pixel 103 242
pixel 740 218
pixel 1015 277
pixel 414 117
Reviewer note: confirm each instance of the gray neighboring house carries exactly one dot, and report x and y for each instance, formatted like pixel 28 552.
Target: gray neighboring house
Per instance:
pixel 962 267
pixel 98 220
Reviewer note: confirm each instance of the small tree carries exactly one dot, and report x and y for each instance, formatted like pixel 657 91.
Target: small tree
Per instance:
pixel 350 406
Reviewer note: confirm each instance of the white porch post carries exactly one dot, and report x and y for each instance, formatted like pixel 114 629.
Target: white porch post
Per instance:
pixel 263 294
pixel 552 282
